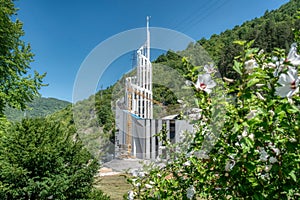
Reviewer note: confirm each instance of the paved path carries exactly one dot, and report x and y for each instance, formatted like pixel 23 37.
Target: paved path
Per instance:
pixel 124 165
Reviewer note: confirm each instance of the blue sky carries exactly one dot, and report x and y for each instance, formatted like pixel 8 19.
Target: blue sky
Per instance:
pixel 62 33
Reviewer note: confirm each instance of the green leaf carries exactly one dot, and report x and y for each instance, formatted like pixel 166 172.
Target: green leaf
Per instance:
pixel 253 181
pixel 252 82
pixel 249 44
pixel 248 141
pixel 293 176
pixel 293 109
pixel 258 196
pixel 250 166
pixel 240 42
pixel 237 67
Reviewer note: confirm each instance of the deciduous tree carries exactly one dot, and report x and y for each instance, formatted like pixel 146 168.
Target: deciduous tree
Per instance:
pixel 17 86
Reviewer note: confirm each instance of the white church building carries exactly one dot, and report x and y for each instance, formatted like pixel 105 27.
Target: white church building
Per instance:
pixel 135 127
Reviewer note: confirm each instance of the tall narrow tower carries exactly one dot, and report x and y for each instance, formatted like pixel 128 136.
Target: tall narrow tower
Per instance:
pixel 139 88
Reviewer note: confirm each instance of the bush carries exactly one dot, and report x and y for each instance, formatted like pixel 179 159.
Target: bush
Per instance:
pixel 246 143
pixel 41 160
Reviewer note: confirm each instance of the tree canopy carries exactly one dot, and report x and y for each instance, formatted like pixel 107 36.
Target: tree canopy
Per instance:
pixel 17 86
pixel 41 159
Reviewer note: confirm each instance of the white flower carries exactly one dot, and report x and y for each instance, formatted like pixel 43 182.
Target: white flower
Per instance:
pixel 130 195
pixel 180 101
pixel 251 136
pixel 205 83
pixel 272 160
pixel 261 52
pixel 251 114
pixel 209 68
pixel 289 82
pixel 278 65
pixel 141 174
pixel 201 154
pixel 151 182
pixel 187 163
pixel 292 140
pixel 190 192
pixel 271 65
pixel 134 173
pixel 259 96
pixel 148 186
pixel 250 65
pixel 271 112
pixel 293 57
pixel 134 180
pixel 263 155
pixel 228 80
pixel 276 151
pixel 245 132
pixel 265 176
pixel 229 165
pixel 259 85
pixel 268 168
pixel 137 184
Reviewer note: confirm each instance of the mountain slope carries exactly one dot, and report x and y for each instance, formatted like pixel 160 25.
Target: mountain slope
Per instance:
pixel 273 30
pixel 39 107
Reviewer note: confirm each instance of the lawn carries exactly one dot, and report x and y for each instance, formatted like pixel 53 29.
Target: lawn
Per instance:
pixel 115 186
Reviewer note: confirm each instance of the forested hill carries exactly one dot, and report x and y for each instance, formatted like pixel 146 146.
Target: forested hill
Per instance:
pixel 39 107
pixel 273 30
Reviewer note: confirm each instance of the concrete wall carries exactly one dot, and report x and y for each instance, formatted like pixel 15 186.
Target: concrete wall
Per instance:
pixel 145 145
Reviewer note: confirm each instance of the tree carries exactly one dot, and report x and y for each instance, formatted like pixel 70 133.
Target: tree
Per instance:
pixel 16 86
pixel 40 159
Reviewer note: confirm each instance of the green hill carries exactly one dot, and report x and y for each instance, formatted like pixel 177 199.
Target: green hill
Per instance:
pixel 39 107
pixel 273 30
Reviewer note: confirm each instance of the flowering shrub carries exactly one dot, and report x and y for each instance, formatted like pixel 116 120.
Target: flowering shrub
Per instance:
pixel 246 144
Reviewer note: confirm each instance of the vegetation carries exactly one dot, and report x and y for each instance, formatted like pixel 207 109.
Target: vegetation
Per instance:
pixel 246 144
pixel 16 86
pixel 273 30
pixel 115 186
pixel 39 107
pixel 246 147
pixel 96 115
pixel 39 158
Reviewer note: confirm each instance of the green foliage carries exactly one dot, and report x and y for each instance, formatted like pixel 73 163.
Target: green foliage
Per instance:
pixel 40 159
pixel 104 110
pixel 246 145
pixel 39 107
pixel 97 194
pixel 16 86
pixel 273 30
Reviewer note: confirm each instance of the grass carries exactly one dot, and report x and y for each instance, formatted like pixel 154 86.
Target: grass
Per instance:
pixel 115 186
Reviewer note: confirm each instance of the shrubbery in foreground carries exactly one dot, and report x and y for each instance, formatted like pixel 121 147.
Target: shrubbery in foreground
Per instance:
pixel 40 159
pixel 246 144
